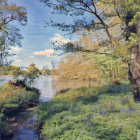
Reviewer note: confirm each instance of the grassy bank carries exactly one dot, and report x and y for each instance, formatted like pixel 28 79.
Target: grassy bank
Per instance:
pixel 12 100
pixel 107 113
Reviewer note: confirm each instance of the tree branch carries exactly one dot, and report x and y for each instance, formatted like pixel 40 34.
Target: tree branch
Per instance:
pixel 117 12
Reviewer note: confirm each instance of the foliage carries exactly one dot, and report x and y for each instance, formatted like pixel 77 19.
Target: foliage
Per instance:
pixel 15 71
pixel 114 27
pixel 97 66
pixel 32 73
pixel 45 71
pixel 9 34
pixel 75 67
pixel 107 24
pixel 33 70
pixel 107 112
pixel 13 99
pixel 11 70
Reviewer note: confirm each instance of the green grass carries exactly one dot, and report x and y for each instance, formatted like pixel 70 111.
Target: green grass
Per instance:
pixel 12 100
pixel 96 113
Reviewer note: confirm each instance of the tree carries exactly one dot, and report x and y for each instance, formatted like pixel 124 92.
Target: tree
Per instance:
pixel 32 73
pixel 82 9
pixel 9 35
pixel 15 71
pixel 77 68
pixel 115 24
pixel 45 71
pixel 33 70
pixel 53 64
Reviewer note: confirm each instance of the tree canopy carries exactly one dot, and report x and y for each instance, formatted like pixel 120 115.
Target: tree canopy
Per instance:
pixel 10 34
pixel 115 29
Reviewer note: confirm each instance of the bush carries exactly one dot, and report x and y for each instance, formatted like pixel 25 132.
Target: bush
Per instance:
pixel 13 99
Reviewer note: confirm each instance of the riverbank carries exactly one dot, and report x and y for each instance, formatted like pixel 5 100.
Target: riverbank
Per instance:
pixel 5 76
pixel 104 112
pixel 14 99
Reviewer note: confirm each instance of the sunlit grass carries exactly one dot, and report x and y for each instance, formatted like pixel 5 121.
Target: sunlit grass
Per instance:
pixel 94 113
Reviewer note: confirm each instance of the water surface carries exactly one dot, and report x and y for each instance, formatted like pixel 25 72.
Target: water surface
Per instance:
pixel 24 124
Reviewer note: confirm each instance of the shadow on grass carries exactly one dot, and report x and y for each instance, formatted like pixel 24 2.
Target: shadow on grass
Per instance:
pixel 88 99
pixel 104 90
pixel 84 95
pixel 115 89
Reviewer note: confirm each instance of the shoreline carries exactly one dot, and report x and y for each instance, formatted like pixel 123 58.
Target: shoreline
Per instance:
pixel 29 99
pixel 5 76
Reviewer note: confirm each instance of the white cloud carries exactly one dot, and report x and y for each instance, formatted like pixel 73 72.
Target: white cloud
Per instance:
pixel 31 56
pixel 47 53
pixel 16 49
pixel 57 39
pixel 18 60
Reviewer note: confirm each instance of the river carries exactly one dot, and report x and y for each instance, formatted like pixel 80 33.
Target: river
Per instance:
pixel 24 124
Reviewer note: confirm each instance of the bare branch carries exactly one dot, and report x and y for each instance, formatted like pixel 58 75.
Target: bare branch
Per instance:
pixel 117 12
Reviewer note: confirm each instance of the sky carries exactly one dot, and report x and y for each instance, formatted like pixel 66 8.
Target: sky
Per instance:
pixel 36 45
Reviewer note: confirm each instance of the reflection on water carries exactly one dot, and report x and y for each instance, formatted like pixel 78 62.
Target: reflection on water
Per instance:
pixel 47 87
pixel 67 84
pixel 24 124
pixel 5 79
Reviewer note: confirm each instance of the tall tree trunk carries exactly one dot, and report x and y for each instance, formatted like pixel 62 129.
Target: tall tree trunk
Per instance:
pixel 134 68
pixel 134 72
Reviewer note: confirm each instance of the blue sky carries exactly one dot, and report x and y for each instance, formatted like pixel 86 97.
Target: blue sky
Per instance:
pixel 36 45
